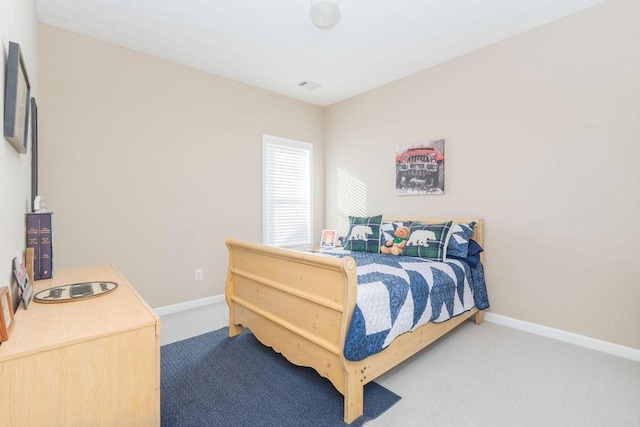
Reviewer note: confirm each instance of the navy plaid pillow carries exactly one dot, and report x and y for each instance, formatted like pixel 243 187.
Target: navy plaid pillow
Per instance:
pixel 428 241
pixel 459 241
pixel 364 234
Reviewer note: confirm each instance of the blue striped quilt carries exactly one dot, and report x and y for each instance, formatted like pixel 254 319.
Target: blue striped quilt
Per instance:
pixel 396 294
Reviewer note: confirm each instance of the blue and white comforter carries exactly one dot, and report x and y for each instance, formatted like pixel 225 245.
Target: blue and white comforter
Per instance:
pixel 398 294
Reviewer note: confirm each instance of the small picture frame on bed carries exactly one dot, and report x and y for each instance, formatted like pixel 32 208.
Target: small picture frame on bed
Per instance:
pixel 328 240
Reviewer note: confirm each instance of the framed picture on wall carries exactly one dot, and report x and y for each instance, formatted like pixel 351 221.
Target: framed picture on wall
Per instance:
pixel 420 169
pixel 16 100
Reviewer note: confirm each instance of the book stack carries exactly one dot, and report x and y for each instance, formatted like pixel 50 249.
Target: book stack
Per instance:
pixel 40 238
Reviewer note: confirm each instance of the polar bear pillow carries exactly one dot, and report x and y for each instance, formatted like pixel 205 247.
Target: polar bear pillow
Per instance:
pixel 428 241
pixel 364 234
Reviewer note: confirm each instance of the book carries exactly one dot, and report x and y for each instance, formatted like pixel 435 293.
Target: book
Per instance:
pixel 33 241
pixel 39 235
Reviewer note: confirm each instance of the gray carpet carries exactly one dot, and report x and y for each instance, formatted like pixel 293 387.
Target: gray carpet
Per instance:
pixel 214 380
pixel 492 375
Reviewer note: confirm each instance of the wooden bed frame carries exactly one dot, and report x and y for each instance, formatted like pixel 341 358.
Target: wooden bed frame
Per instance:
pixel 300 304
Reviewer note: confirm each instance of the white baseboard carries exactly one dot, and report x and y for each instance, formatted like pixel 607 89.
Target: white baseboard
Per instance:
pixel 569 337
pixel 188 305
pixel 581 340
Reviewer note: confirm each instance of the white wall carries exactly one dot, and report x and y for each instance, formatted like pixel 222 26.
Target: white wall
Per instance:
pixel 542 139
pixel 18 23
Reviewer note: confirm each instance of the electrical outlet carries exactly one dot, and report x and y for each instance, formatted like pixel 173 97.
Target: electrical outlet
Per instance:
pixel 199 274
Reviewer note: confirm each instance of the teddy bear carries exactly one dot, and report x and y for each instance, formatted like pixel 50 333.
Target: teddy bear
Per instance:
pixel 396 245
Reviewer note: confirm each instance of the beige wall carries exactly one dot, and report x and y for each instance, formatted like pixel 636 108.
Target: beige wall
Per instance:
pixel 149 165
pixel 19 24
pixel 542 140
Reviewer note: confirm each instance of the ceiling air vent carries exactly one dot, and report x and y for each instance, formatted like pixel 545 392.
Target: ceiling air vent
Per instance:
pixel 309 85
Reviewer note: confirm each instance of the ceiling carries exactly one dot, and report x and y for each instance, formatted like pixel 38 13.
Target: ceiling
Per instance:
pixel 273 45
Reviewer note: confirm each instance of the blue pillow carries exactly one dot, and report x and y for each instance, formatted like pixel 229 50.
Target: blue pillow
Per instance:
pixel 428 241
pixel 364 234
pixel 473 255
pixel 459 241
pixel 474 248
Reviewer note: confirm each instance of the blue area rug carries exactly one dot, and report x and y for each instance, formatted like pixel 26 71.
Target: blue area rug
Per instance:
pixel 214 380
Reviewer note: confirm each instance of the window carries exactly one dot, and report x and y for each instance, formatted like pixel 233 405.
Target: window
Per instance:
pixel 286 192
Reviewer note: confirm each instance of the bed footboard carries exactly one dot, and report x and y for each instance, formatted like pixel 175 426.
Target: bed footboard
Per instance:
pixel 301 304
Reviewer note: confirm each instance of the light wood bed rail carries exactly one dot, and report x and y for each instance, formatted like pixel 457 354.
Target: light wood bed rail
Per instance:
pixel 300 304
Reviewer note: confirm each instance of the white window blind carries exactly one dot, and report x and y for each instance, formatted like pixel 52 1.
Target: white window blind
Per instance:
pixel 287 192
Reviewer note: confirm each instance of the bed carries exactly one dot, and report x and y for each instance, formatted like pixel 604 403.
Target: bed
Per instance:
pixel 302 303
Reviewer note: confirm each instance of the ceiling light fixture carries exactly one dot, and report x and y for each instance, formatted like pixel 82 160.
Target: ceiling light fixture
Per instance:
pixel 324 13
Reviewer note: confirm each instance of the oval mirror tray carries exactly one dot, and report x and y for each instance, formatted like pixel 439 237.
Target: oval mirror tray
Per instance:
pixel 74 292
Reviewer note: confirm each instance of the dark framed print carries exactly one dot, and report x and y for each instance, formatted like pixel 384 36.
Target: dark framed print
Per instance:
pixel 34 152
pixel 420 169
pixel 6 314
pixel 16 100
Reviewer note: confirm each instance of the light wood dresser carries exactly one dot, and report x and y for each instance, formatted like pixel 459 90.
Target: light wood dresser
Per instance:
pixel 91 362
